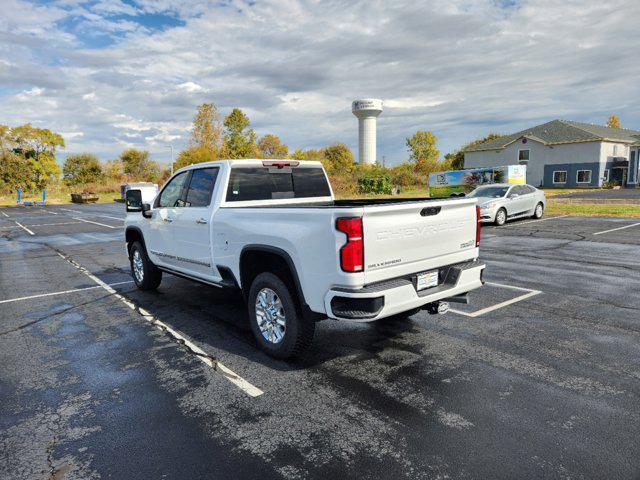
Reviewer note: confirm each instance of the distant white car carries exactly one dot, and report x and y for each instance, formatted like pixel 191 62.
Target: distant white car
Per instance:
pixel 500 202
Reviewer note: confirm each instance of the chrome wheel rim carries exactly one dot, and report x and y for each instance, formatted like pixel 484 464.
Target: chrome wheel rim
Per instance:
pixel 138 266
pixel 501 217
pixel 539 211
pixel 270 316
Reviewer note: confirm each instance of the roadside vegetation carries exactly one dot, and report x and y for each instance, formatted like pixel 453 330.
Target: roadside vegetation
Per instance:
pixel 28 161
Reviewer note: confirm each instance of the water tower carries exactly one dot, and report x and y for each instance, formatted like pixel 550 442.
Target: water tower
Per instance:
pixel 367 110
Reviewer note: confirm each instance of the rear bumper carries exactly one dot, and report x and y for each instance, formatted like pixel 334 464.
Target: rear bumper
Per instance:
pixel 383 299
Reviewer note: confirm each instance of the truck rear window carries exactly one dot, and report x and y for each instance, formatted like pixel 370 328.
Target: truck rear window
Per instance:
pixel 272 184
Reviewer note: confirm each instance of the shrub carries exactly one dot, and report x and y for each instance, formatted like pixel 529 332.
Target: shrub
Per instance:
pixel 380 184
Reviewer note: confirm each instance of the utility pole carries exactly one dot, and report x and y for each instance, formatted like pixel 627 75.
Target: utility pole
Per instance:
pixel 171 147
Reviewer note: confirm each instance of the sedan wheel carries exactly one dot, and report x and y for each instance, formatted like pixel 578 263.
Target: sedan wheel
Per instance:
pixel 539 211
pixel 501 217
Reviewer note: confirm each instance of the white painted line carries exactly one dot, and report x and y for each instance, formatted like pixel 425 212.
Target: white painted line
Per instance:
pixel 516 223
pixel 52 224
pixel 93 214
pixel 47 224
pixel 497 306
pixel 24 228
pixel 64 292
pixel 4 214
pixel 616 229
pixel 207 359
pixel 511 287
pixel 52 213
pixel 95 223
pixel 530 293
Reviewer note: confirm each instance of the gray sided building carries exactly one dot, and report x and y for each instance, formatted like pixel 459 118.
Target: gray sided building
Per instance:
pixel 562 153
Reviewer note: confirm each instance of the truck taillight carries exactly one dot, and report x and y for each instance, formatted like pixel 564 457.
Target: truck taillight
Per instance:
pixel 478 225
pixel 352 253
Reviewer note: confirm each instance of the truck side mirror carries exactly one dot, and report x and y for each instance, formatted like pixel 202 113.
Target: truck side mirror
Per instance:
pixel 146 210
pixel 133 200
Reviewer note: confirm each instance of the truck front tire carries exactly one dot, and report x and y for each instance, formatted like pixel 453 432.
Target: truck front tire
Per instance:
pixel 145 274
pixel 276 321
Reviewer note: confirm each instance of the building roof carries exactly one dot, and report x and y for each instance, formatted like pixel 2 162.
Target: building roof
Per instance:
pixel 563 131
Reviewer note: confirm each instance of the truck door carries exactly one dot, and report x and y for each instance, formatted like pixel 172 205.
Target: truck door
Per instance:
pixel 159 240
pixel 192 231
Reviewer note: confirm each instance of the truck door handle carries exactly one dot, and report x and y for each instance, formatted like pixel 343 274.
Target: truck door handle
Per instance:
pixel 201 221
pixel 428 211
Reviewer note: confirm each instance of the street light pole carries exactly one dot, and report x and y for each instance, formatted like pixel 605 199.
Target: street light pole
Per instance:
pixel 171 147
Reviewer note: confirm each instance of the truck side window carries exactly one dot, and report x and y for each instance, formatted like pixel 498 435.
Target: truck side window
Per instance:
pixel 201 187
pixel 172 192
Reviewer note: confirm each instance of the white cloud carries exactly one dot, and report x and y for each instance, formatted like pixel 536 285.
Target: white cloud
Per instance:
pixel 460 69
pixel 190 87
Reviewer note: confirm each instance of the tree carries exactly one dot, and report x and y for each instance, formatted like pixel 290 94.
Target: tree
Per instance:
pixel 239 138
pixel 138 166
pixel 207 131
pixel 311 154
pixel 193 155
pixel 81 168
pixel 423 151
pixel 338 159
pixel 457 158
pixel 270 146
pixel 38 147
pixel 114 169
pixel 613 121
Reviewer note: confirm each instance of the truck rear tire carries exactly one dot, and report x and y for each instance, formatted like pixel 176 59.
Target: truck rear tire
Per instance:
pixel 145 274
pixel 276 321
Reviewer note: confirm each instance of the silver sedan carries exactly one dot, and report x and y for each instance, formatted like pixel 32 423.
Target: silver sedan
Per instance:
pixel 500 202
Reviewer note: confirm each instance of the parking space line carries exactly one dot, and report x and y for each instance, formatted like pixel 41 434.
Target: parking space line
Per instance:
pixel 616 229
pixel 207 359
pixel 24 228
pixel 93 214
pixel 95 223
pixel 4 214
pixel 530 293
pixel 63 292
pixel 535 221
pixel 52 224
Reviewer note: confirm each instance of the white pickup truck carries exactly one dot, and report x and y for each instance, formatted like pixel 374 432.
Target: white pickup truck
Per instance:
pixel 273 229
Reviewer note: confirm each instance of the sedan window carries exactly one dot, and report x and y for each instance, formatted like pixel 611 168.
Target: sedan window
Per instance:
pixel 489 192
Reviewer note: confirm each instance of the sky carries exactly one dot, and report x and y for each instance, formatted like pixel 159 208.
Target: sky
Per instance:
pixel 109 75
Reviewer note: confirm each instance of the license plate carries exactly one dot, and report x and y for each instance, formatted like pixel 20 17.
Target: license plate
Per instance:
pixel 427 280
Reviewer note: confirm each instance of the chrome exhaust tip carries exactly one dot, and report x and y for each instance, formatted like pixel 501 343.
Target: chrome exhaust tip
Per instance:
pixel 438 307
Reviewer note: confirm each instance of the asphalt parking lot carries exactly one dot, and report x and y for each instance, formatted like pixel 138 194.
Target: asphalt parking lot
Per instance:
pixel 538 377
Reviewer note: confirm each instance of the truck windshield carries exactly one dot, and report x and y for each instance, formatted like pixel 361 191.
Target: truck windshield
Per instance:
pixel 271 184
pixel 489 192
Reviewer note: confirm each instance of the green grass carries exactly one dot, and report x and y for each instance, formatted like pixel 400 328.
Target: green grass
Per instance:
pixel 552 192
pixel 593 210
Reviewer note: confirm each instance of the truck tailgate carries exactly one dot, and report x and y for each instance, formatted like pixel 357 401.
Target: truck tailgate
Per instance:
pixel 402 238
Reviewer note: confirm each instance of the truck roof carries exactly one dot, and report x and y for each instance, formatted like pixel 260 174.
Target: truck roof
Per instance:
pixel 254 162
